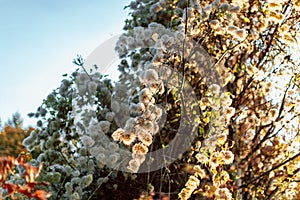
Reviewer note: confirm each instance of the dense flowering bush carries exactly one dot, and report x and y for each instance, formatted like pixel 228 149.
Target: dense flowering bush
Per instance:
pixel 206 107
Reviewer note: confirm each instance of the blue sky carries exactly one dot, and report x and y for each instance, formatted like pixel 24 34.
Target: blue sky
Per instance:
pixel 40 38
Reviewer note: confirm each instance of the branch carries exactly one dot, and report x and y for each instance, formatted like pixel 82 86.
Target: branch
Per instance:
pixel 267 172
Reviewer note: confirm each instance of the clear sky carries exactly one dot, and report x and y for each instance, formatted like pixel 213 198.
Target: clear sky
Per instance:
pixel 40 38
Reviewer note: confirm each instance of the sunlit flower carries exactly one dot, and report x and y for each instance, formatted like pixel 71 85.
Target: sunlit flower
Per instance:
pixel 140 158
pixel 252 120
pixel 240 34
pixel 262 26
pixel 226 78
pixel 232 29
pixel 214 24
pixel 214 159
pixel 221 138
pixel 284 28
pixel 251 70
pixel 253 35
pixel 293 185
pixel 201 158
pixel 117 134
pixel 193 182
pixel 223 194
pixel 145 96
pixel 205 102
pixel 139 148
pixel 158 112
pixel 290 193
pixel 144 137
pixel 249 134
pixel 220 179
pixel 297 107
pixel 157 87
pixel 260 165
pixel 225 99
pixel 201 172
pixel 276 17
pixel 229 112
pixel 296 5
pixel 128 138
pixel 264 121
pixel 185 194
pixel 266 87
pixel 274 6
pixel 214 88
pixel 227 157
pixel 133 166
pixel 273 113
pixel 288 39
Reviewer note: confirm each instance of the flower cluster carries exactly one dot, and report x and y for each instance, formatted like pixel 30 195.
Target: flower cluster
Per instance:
pixel 192 183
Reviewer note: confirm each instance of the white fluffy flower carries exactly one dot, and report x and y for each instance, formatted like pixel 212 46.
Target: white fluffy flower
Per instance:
pixel 223 193
pixel 92 87
pixel 118 134
pixel 82 78
pixel 232 29
pixel 112 159
pixel 105 126
pixel 115 106
pixel 112 146
pixel 130 124
pixel 157 87
pixel 227 157
pixel 240 34
pixel 150 76
pixel 87 141
pixel 144 137
pixel 133 166
pixel 110 116
pixel 214 88
pixel 139 148
pixel 86 181
pixel 145 96
pixel 140 158
pixel 128 138
pixel 136 109
pixel 201 158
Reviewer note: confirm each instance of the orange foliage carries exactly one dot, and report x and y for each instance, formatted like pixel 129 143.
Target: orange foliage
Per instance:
pixel 7 166
pixel 11 140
